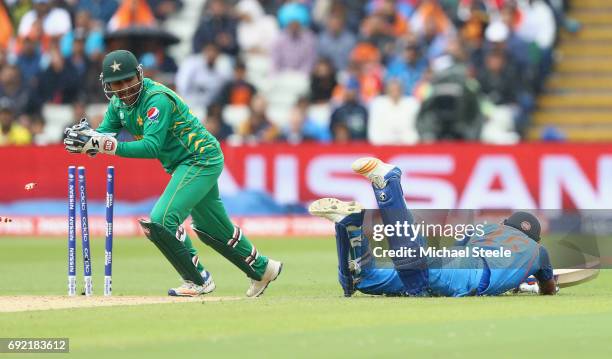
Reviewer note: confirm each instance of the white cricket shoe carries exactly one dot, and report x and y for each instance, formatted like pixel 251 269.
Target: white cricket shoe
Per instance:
pixel 190 289
pixel 373 169
pixel 334 209
pixel 273 270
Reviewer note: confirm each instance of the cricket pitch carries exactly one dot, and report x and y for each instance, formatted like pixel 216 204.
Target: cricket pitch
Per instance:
pixel 24 303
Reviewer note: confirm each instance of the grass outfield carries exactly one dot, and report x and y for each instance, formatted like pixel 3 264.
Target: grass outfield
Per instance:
pixel 301 315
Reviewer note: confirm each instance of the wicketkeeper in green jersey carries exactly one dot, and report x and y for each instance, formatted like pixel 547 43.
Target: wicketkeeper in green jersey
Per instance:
pixel 166 129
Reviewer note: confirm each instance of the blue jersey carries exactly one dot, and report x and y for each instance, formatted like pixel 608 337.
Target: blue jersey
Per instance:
pixel 457 278
pixel 380 281
pixel 493 275
pixel 527 258
pixel 475 275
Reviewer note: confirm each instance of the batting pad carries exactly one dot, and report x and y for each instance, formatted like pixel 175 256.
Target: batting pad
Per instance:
pixel 227 249
pixel 175 251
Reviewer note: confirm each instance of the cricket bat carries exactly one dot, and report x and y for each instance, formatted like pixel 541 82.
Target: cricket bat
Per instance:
pixel 571 277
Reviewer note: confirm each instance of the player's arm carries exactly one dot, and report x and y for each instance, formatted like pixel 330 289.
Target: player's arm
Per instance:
pixel 156 127
pixel 81 138
pixel 111 124
pixel 545 276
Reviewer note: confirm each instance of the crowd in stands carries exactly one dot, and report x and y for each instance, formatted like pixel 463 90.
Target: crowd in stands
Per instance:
pixel 383 71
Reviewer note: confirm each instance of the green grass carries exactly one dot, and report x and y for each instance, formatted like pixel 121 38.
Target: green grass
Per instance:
pixel 301 315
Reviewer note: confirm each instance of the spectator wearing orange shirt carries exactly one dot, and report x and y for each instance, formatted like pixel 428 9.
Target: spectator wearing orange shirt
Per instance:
pixel 375 30
pixel 238 91
pixel 132 13
pixel 395 21
pixel 366 66
pixel 6 27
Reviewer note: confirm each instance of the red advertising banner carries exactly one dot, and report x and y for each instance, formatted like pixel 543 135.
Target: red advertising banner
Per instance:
pixel 435 176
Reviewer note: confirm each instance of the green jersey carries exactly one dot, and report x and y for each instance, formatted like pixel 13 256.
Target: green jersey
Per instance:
pixel 164 128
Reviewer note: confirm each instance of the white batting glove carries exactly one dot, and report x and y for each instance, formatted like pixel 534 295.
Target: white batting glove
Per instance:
pixel 529 288
pixel 86 140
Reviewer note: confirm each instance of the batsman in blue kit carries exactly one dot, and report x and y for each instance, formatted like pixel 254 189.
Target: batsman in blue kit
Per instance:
pixel 422 275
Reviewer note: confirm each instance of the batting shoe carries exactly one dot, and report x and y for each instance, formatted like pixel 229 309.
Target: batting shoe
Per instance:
pixel 190 289
pixel 373 169
pixel 334 209
pixel 273 270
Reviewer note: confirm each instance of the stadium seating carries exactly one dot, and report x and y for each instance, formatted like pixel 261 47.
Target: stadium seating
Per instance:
pixel 183 25
pixel 57 117
pixel 285 88
pixel 234 115
pixel 578 97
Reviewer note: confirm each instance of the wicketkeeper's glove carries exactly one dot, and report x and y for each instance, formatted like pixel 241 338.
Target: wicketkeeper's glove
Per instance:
pixel 81 138
pixel 81 126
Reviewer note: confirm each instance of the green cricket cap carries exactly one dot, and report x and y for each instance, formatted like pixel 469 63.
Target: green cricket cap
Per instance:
pixel 119 65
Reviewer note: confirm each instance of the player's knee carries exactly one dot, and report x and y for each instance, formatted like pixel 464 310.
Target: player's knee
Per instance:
pixel 165 220
pixel 156 217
